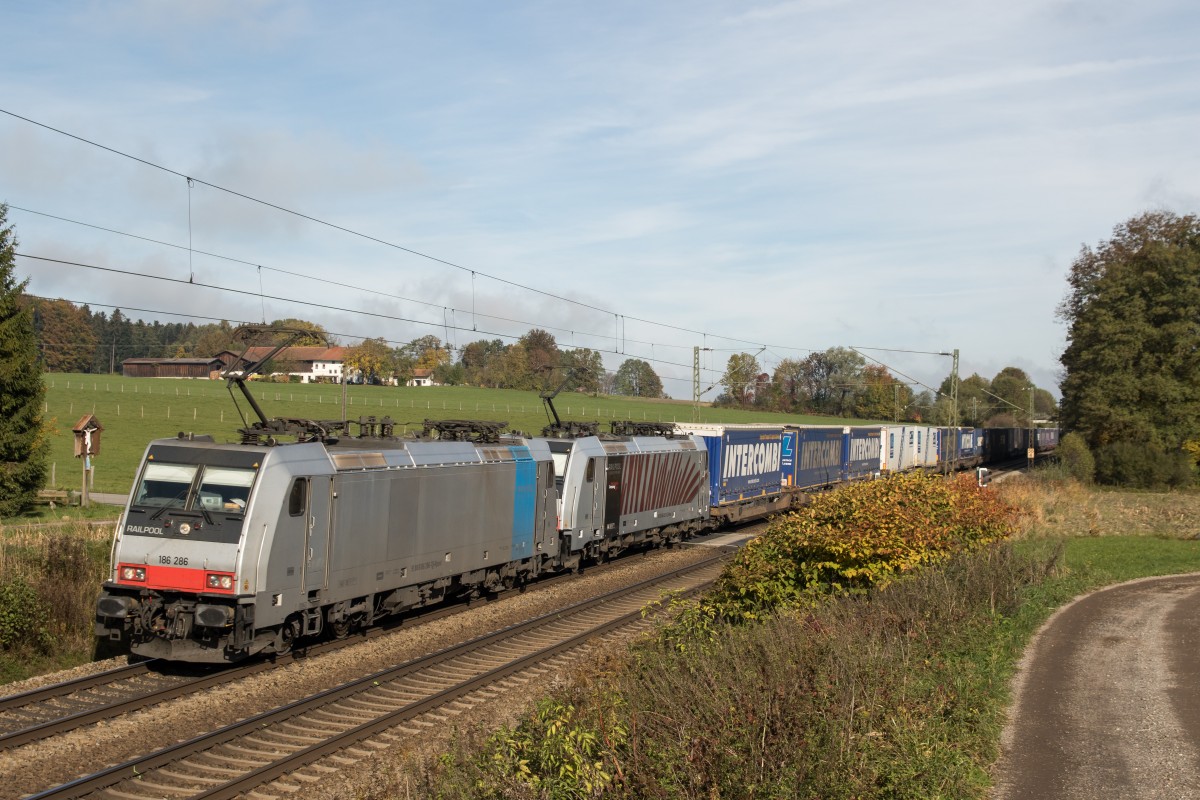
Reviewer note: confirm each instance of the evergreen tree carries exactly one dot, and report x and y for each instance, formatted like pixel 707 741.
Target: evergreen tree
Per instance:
pixel 23 444
pixel 65 334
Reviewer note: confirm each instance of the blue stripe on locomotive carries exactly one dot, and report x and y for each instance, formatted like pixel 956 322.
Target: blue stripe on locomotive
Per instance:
pixel 524 503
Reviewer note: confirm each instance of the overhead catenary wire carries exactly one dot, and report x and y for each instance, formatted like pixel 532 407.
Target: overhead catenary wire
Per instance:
pixel 310 303
pixel 359 234
pixel 158 311
pixel 890 368
pixel 620 340
pixel 331 282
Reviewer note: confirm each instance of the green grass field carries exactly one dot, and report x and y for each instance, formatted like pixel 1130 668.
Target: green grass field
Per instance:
pixel 134 411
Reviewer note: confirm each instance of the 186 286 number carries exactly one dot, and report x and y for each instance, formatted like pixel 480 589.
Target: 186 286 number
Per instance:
pixel 177 561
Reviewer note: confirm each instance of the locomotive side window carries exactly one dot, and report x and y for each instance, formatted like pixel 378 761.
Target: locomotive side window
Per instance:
pixel 297 497
pixel 591 470
pixel 225 489
pixel 560 463
pixel 165 485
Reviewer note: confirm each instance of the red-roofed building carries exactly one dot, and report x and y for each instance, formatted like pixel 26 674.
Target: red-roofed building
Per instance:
pixel 311 364
pixel 421 377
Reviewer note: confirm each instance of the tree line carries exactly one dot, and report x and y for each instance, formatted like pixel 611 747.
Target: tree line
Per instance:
pixel 836 382
pixel 839 382
pixel 72 338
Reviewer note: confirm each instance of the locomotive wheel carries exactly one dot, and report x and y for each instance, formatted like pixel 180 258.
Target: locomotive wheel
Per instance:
pixel 286 637
pixel 341 628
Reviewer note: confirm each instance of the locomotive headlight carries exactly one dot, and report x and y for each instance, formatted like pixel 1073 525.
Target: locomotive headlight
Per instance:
pixel 216 581
pixel 133 573
pixel 185 528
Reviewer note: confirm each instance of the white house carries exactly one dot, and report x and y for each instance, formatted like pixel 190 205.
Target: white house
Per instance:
pixel 311 364
pixel 421 377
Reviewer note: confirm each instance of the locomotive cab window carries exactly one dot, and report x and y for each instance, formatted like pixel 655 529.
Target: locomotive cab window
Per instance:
pixel 560 463
pixel 225 489
pixel 165 485
pixel 591 470
pixel 297 497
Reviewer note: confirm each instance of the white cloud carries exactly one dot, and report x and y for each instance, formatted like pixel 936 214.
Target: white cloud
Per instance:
pixel 919 174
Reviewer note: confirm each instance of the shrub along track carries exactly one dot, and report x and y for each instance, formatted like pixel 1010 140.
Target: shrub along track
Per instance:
pixel 279 722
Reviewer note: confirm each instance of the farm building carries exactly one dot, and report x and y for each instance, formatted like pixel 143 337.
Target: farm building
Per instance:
pixel 311 364
pixel 207 368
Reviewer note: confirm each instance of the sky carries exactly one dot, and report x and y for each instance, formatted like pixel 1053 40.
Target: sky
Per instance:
pixel 644 179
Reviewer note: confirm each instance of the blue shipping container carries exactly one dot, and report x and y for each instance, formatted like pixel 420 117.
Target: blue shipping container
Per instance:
pixel 968 442
pixel 744 464
pixel 820 456
pixel 862 454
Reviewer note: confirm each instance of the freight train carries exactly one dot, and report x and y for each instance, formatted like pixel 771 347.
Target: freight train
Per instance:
pixel 226 550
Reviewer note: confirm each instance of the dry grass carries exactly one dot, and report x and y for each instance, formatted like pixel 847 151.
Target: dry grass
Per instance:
pixel 25 549
pixel 49 579
pixel 1068 508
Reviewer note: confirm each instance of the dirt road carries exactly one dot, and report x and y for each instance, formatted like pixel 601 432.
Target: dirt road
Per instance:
pixel 1107 701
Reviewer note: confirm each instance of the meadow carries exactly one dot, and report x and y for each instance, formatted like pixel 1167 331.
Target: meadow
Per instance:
pixel 134 411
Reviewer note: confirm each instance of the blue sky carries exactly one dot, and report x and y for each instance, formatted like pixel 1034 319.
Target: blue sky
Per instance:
pixel 794 175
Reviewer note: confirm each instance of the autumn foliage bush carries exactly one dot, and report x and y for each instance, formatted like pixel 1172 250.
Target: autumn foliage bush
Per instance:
pixel 859 537
pixel 873 694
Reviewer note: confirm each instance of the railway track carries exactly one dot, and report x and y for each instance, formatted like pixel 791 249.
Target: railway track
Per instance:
pixel 39 713
pixel 62 707
pixel 276 752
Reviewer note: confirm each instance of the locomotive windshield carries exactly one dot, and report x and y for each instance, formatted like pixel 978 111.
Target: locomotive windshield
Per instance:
pixel 215 488
pixel 225 488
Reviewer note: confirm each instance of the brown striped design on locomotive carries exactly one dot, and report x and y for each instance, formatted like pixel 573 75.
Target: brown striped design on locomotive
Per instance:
pixel 661 480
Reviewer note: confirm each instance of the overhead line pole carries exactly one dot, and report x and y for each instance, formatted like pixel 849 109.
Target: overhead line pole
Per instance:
pixel 954 405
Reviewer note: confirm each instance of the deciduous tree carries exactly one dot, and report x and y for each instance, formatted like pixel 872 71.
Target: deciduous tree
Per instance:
pixel 881 394
pixel 476 358
pixel 317 336
pixel 636 378
pixel 1132 359
pixel 830 379
pixel 215 338
pixel 371 359
pixel 541 352
pixel 789 386
pixel 588 369
pixel 741 373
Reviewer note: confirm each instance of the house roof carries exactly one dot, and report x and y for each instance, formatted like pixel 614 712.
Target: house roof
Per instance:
pixel 175 361
pixel 422 373
pixel 302 354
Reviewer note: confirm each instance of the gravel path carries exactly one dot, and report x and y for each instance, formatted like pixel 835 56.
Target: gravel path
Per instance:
pixel 1108 699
